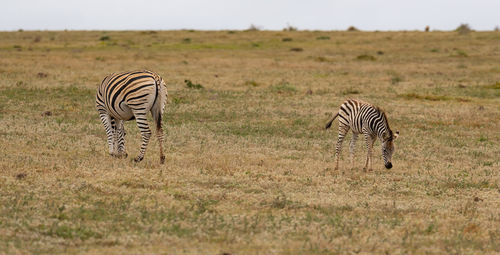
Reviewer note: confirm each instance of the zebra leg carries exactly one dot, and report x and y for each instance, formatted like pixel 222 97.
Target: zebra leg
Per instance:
pixel 338 149
pixel 352 147
pixel 121 152
pixel 371 152
pixel 107 121
pixel 159 135
pixel 368 139
pixel 115 137
pixel 142 124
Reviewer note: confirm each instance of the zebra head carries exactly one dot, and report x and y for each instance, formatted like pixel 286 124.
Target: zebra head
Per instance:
pixel 388 147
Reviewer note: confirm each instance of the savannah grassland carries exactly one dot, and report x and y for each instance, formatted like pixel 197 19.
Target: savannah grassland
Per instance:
pixel 249 167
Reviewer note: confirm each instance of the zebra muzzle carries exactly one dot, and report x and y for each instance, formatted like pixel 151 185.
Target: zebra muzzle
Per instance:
pixel 388 165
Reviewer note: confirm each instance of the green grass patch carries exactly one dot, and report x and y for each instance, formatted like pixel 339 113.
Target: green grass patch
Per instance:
pixel 432 97
pixel 323 38
pixel 283 87
pixel 493 86
pixel 192 85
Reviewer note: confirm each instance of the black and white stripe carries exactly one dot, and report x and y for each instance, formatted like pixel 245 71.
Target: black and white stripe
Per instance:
pixel 371 121
pixel 127 96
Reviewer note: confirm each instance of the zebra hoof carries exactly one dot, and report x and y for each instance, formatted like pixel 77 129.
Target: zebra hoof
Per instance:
pixel 123 155
pixel 138 159
pixel 162 159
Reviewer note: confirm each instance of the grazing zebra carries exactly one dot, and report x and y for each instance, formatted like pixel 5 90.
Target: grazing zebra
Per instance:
pixel 371 121
pixel 127 96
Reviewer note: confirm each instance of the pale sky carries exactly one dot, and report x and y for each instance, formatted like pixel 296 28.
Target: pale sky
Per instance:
pixel 240 14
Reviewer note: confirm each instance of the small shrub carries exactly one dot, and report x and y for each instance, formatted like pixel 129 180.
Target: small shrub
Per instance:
pixel 20 30
pixel 105 38
pixel 427 28
pixel 186 40
pixel 255 45
pixel 323 38
pixel 296 49
pixel 434 50
pixel 290 28
pixel 380 52
pixel 253 28
pixel 287 39
pixel 192 85
pixel 366 57
pixel 37 39
pixel 17 46
pixel 231 32
pixel 496 29
pixel 352 29
pixel 463 29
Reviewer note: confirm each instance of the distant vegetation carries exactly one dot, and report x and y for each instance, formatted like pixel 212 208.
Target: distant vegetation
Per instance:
pixel 463 29
pixel 352 29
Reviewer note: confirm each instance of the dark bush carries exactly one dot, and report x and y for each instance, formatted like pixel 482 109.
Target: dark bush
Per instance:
pixel 463 29
pixel 352 29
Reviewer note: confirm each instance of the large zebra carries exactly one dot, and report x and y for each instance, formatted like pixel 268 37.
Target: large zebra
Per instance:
pixel 127 96
pixel 371 121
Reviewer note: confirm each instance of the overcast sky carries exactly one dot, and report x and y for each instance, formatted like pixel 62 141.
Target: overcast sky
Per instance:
pixel 240 14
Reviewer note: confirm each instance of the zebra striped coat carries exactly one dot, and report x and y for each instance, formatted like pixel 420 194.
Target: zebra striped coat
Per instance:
pixel 371 121
pixel 127 96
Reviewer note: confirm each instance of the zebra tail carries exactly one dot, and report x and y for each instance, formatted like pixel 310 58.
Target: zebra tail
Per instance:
pixel 329 124
pixel 161 100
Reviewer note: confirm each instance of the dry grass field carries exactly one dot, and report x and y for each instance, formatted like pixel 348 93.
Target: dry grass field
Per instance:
pixel 249 167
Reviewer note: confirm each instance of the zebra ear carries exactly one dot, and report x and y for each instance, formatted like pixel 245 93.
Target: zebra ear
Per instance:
pixel 396 135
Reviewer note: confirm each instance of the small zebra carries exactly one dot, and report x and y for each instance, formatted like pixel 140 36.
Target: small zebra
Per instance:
pixel 127 96
pixel 371 121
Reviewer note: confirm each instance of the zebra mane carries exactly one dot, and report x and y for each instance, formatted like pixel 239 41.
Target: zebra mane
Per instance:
pixel 384 116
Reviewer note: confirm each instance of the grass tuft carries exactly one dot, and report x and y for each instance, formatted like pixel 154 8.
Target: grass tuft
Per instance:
pixel 192 85
pixel 366 57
